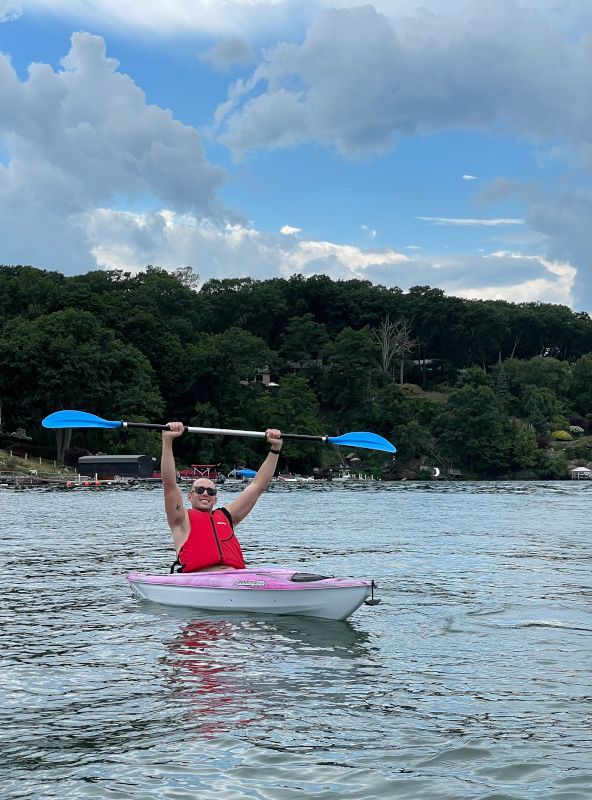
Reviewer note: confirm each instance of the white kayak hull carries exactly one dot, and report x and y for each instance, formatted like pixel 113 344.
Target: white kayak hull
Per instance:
pixel 262 592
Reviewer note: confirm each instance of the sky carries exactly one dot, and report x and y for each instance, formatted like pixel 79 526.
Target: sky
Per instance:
pixel 406 142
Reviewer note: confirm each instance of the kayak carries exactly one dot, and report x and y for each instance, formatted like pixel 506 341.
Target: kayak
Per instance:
pixel 265 591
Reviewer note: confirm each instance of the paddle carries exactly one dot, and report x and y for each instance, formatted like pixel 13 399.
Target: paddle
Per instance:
pixel 81 419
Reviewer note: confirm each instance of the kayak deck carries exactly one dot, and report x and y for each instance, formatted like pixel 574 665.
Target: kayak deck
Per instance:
pixel 266 591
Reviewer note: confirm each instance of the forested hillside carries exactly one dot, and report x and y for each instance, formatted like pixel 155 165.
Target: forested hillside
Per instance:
pixel 485 388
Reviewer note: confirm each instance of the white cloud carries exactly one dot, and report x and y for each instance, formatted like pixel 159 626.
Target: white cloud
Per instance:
pixel 337 261
pixel 229 52
pixel 257 18
pixel 174 17
pixel 502 189
pixel 359 80
pixel 130 240
pixel 467 177
pixel 565 222
pixel 79 137
pixel 459 222
pixel 555 285
pixel 126 240
pixel 506 276
pixel 371 232
pixel 9 10
pixel 288 230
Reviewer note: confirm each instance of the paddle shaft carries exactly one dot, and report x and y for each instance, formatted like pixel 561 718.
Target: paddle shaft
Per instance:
pixel 222 431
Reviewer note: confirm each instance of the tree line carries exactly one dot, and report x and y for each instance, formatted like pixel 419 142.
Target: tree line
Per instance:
pixel 481 387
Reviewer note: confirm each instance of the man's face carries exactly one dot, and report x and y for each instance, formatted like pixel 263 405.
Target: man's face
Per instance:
pixel 203 494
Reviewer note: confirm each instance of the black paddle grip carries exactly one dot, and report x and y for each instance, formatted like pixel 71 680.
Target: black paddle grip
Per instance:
pixel 153 426
pixel 306 436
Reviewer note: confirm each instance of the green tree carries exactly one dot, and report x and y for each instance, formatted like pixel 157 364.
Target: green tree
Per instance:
pixel 188 277
pixel 542 372
pixel 219 368
pixel 259 307
pixel 169 298
pixel 502 387
pixel 352 364
pixel 541 407
pixel 524 446
pixel 551 465
pixel 29 292
pixel 294 408
pixel 68 360
pixel 486 328
pixel 413 441
pixel 303 339
pixel 581 390
pixel 205 449
pixel 473 430
pixel 164 350
pixel 439 328
pixel 475 376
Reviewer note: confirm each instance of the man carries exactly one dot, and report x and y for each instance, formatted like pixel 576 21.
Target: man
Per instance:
pixel 203 535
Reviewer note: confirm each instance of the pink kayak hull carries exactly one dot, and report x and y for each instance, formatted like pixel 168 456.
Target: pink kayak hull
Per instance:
pixel 264 591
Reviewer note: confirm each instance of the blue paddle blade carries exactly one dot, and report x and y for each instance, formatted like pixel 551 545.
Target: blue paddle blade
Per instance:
pixel 370 441
pixel 77 419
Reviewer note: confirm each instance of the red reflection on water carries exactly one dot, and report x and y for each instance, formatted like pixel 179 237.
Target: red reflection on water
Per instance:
pixel 205 670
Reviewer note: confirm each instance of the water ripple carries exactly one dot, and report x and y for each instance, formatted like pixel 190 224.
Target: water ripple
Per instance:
pixel 470 681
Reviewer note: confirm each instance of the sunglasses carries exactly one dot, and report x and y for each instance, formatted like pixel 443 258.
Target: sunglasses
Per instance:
pixel 203 490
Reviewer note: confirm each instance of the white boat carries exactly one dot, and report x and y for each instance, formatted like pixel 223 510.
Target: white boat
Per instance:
pixel 265 591
pixel 342 477
pixel 346 476
pixel 288 477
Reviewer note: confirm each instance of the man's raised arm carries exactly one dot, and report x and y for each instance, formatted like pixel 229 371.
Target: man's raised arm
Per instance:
pixel 173 500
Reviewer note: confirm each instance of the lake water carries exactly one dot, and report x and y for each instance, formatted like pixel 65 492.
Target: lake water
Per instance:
pixel 470 680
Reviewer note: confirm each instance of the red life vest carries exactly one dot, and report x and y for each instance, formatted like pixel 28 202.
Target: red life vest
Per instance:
pixel 211 541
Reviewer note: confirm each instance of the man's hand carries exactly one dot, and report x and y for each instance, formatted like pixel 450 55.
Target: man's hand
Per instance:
pixel 274 438
pixel 175 429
